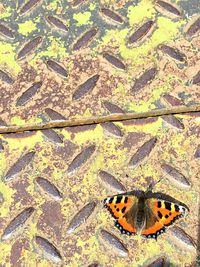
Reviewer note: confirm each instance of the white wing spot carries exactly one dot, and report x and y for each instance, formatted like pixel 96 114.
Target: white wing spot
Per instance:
pixel 107 200
pixel 182 209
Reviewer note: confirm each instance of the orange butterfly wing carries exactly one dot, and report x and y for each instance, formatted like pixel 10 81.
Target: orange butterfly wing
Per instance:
pixel 161 213
pixel 118 206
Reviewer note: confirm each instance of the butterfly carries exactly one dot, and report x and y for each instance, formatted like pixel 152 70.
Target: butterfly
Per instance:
pixel 144 213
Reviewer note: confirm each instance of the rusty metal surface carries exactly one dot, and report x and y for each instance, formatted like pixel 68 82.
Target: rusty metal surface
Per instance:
pixel 77 59
pixel 91 58
pixel 53 183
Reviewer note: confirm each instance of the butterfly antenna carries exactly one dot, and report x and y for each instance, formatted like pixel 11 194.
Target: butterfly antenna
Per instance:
pixel 153 184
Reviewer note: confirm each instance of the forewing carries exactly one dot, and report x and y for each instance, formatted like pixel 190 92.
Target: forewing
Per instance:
pixel 119 206
pixel 160 214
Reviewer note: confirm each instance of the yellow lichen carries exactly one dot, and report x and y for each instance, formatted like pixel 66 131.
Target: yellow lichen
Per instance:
pixel 120 91
pixel 19 121
pixel 81 137
pixel 53 5
pixel 5 11
pixel 161 34
pixel 56 49
pixel 27 27
pixel 92 6
pixel 82 18
pixel 7 58
pixel 145 9
pixel 7 194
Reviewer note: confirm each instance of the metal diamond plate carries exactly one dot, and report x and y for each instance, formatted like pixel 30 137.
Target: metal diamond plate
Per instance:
pixel 74 56
pixel 51 211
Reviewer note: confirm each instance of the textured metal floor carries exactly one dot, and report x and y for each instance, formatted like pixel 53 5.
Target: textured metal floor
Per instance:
pixel 53 183
pixel 74 60
pixel 87 58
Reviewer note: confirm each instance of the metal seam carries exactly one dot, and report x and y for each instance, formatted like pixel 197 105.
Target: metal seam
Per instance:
pixel 99 119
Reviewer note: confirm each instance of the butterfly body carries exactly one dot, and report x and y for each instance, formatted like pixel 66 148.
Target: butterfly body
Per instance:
pixel 145 213
pixel 140 214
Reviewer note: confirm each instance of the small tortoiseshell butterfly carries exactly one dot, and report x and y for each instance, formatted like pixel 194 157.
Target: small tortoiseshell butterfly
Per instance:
pixel 145 213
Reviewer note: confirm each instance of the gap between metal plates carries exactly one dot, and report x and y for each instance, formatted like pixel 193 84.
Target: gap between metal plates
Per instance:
pixel 99 119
